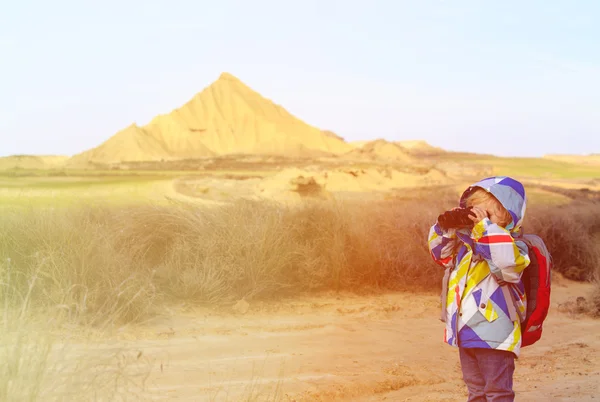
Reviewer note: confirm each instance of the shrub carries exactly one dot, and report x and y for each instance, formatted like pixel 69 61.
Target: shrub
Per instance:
pixel 571 233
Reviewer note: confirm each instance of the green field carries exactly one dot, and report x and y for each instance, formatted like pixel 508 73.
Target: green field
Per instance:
pixel 59 187
pixel 539 168
pixel 34 191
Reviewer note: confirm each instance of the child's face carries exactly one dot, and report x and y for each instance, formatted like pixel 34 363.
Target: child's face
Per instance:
pixel 492 208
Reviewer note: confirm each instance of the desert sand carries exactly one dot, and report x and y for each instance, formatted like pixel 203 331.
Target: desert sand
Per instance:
pixel 349 348
pixel 294 184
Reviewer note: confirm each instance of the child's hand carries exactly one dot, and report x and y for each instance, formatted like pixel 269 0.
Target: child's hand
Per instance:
pixel 479 213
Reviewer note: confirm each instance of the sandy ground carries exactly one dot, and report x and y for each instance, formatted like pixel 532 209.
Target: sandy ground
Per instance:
pixel 349 348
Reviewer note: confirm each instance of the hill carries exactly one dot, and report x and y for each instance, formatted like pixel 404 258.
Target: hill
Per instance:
pixel 227 117
pixel 359 143
pixel 32 161
pixel 412 147
pixel 420 148
pixel 380 149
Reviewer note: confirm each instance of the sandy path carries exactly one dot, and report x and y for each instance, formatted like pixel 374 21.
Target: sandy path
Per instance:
pixel 351 348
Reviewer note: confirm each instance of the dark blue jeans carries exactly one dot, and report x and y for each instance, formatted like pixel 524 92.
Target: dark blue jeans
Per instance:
pixel 488 374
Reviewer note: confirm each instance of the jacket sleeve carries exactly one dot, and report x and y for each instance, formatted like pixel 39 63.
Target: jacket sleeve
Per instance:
pixel 506 256
pixel 442 245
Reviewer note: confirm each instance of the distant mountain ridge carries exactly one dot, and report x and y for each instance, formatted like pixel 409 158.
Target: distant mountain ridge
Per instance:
pixel 381 149
pixel 396 149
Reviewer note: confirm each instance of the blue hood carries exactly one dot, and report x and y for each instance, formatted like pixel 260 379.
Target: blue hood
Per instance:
pixel 509 192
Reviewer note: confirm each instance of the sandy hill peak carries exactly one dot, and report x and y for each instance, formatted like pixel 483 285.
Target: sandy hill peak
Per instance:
pixel 228 76
pixel 227 117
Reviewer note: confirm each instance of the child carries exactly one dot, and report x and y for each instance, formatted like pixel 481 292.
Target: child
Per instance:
pixel 483 300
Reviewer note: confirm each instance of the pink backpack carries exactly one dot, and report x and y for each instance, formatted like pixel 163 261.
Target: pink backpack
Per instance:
pixel 537 281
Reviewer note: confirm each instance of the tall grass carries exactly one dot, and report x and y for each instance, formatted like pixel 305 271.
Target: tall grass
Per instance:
pixel 24 354
pixel 109 265
pixel 39 361
pixel 572 233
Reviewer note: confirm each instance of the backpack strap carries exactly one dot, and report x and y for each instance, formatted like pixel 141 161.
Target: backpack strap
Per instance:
pixel 444 295
pixel 510 302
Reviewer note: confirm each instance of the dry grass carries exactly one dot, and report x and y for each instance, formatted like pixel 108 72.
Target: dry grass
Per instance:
pixel 120 262
pixel 571 232
pixel 40 361
pixel 596 301
pixel 25 358
pixel 39 366
pixel 112 265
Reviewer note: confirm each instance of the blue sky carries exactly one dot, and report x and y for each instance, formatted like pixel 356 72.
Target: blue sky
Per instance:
pixel 511 78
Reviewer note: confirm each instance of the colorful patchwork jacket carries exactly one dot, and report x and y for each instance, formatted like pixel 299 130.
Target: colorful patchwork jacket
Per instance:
pixel 477 310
